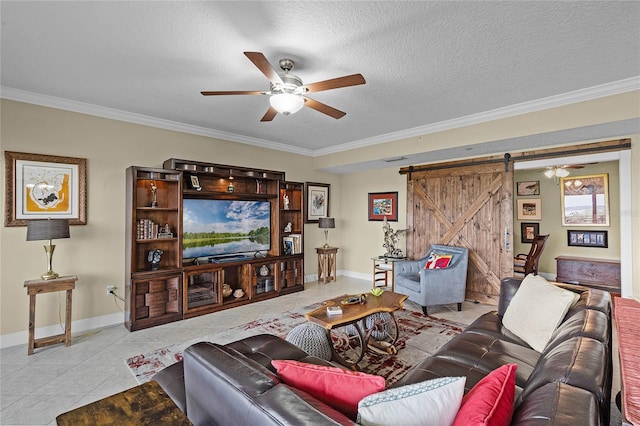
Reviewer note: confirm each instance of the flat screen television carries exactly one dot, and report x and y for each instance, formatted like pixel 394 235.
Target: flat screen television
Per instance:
pixel 219 228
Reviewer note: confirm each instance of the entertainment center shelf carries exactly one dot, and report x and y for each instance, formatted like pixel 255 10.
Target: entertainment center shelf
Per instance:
pixel 177 270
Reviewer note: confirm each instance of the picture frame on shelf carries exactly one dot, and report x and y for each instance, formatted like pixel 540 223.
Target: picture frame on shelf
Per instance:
pixel 585 200
pixel 528 231
pixel 41 186
pixel 383 204
pixel 529 187
pixel 581 238
pixel 195 182
pixel 529 209
pixel 316 201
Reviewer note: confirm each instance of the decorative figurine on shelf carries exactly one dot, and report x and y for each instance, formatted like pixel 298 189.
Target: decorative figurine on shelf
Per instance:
pixel 238 293
pixel 165 232
pixel 285 201
pixel 263 271
pixel 258 186
pixel 154 190
pixel 154 257
pixel 288 227
pixel 226 290
pixel 391 239
pixel 230 187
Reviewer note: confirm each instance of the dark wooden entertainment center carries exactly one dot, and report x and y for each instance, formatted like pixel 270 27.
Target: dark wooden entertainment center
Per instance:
pixel 175 288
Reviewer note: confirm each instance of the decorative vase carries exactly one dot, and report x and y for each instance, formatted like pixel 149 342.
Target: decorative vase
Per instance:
pixel 226 290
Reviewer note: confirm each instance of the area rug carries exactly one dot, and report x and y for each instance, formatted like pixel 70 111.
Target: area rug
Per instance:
pixel 420 336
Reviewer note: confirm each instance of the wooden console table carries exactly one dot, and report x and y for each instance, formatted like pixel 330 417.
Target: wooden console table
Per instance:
pixel 39 286
pixel 603 274
pixel 146 404
pixel 326 264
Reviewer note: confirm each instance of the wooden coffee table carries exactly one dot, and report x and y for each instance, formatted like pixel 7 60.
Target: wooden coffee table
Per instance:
pixel 361 325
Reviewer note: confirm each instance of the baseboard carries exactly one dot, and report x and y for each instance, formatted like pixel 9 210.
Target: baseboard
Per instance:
pixel 79 326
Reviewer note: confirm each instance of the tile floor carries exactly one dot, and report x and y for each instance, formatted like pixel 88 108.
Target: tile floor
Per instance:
pixel 35 389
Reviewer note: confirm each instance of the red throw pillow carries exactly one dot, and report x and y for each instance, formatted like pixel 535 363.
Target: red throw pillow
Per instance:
pixel 438 261
pixel 339 388
pixel 490 401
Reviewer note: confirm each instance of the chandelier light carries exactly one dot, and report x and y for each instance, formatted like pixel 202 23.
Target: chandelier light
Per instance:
pixel 286 103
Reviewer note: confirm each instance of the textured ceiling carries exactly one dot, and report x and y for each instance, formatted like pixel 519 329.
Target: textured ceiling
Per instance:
pixel 424 62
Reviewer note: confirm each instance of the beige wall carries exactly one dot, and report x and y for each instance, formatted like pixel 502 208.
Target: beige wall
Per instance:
pixel 551 222
pixel 95 251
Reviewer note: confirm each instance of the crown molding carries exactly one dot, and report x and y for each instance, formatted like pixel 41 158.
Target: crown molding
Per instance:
pixel 603 90
pixel 145 120
pixel 595 92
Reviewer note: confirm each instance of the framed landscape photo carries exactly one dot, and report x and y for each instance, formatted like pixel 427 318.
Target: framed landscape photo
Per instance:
pixel 529 209
pixel 529 231
pixel 45 186
pixel 530 187
pixel 585 200
pixel 383 204
pixel 587 238
pixel 316 201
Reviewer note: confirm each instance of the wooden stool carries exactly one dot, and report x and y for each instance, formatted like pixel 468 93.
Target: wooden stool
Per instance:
pixel 34 287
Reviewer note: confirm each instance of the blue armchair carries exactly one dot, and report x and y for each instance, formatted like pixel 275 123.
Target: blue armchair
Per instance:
pixel 428 287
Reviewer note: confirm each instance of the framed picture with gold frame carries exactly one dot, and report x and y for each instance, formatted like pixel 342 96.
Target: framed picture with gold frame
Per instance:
pixel 585 200
pixel 529 209
pixel 44 186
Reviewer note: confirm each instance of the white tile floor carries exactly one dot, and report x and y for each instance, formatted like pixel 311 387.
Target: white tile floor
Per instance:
pixel 35 389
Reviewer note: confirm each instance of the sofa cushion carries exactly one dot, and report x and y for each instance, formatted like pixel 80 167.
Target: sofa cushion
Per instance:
pixel 490 402
pixel 339 388
pixel 432 402
pixel 536 310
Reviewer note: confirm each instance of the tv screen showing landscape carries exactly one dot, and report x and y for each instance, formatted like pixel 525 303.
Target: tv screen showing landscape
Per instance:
pixel 222 227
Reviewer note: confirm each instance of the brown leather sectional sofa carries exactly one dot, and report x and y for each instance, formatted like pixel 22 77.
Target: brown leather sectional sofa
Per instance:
pixel 569 383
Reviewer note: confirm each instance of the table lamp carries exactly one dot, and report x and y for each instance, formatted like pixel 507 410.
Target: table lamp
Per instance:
pixel 326 223
pixel 48 229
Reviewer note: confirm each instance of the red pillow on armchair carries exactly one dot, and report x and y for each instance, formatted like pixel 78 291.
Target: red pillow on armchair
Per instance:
pixel 438 261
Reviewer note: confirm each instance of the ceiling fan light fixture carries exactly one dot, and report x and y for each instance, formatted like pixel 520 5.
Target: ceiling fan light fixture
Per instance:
pixel 286 103
pixel 560 172
pixel 549 173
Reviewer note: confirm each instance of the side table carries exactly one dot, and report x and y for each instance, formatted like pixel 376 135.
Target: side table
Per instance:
pixel 39 286
pixel 381 267
pixel 326 264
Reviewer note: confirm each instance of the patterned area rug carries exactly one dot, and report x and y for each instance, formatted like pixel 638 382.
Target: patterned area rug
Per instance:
pixel 420 336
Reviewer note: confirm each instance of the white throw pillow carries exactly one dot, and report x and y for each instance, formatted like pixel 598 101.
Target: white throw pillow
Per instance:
pixel 536 310
pixel 430 403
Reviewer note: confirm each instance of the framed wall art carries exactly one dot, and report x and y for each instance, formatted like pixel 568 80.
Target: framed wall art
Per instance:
pixel 529 209
pixel 587 238
pixel 528 231
pixel 383 204
pixel 316 201
pixel 45 186
pixel 530 187
pixel 585 200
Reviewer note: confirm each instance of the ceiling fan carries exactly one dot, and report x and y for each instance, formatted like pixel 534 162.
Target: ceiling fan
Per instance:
pixel 555 172
pixel 287 92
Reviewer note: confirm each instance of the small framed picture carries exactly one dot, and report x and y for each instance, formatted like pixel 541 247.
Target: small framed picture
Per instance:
pixel 316 201
pixel 383 204
pixel 529 187
pixel 529 209
pixel 577 238
pixel 529 231
pixel 195 183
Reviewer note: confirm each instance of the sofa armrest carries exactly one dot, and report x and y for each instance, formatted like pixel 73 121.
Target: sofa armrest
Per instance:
pixel 508 288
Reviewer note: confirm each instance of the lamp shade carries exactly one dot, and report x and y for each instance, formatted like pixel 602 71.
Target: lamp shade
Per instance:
pixel 286 103
pixel 327 222
pixel 47 229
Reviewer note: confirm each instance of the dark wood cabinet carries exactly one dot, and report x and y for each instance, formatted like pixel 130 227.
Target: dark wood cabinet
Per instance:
pixel 173 288
pixel 153 290
pixel 603 274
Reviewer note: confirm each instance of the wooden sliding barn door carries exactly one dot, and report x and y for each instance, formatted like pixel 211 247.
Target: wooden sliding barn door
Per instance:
pixel 467 206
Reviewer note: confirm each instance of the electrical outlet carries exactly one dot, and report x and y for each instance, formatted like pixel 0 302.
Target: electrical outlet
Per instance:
pixel 111 289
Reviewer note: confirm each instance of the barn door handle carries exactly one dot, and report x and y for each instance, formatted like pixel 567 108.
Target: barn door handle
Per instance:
pixel 507 240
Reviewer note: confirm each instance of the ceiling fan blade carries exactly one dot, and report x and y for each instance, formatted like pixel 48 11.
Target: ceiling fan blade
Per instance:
pixel 263 65
pixel 335 83
pixel 269 115
pixel 233 92
pixel 323 108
